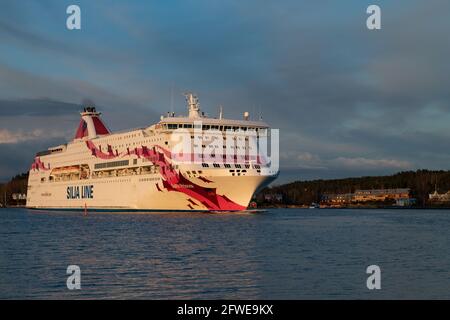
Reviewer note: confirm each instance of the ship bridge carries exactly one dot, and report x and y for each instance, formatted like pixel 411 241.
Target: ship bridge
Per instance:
pixel 197 119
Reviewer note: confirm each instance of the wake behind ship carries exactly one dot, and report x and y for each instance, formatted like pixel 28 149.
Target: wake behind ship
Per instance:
pixel 192 163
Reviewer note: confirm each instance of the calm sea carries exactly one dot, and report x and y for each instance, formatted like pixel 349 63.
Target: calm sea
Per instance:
pixel 278 254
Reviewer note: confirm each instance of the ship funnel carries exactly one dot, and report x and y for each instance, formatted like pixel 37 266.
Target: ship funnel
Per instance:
pixel 193 105
pixel 91 126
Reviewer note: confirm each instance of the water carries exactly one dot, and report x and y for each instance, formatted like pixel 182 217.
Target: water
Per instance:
pixel 278 254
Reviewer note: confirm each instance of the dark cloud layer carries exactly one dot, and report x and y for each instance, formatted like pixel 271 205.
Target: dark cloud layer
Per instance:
pixel 348 101
pixel 37 107
pixel 17 158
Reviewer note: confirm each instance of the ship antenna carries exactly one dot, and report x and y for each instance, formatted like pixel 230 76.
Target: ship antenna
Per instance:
pixel 171 98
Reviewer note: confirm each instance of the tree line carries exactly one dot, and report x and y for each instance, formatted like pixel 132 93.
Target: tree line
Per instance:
pixel 421 183
pixel 17 184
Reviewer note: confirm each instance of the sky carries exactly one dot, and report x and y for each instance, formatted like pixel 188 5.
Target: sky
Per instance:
pixel 348 101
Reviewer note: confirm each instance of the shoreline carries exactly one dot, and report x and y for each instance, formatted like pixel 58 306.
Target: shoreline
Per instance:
pixel 307 207
pixel 353 207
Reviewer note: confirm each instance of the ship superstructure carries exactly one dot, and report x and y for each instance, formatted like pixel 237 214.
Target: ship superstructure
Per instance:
pixel 181 163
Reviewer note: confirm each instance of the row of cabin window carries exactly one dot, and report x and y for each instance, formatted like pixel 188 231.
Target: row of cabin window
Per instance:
pixel 120 137
pixel 211 146
pixel 227 165
pixel 139 143
pixel 206 138
pixel 172 126
pixel 225 156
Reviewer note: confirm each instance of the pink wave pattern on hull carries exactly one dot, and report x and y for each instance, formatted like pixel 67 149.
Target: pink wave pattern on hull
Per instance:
pixel 39 165
pixel 173 180
pixel 96 152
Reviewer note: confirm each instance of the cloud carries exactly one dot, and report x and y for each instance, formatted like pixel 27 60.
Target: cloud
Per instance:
pixel 26 86
pixel 17 157
pixel 307 160
pixel 365 163
pixel 29 38
pixel 8 137
pixel 37 107
pixel 346 100
pixel 307 157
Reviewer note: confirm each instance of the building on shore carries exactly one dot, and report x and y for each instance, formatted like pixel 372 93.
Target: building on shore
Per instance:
pixel 399 196
pixel 273 197
pixel 336 199
pixel 380 194
pixel 19 196
pixel 405 202
pixel 439 197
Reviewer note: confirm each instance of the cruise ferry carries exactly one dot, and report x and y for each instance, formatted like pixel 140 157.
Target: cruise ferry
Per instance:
pixel 181 163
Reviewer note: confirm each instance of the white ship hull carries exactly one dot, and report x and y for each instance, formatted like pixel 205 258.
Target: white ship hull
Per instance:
pixel 141 193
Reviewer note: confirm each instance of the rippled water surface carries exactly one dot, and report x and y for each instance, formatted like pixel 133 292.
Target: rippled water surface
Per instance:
pixel 278 254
